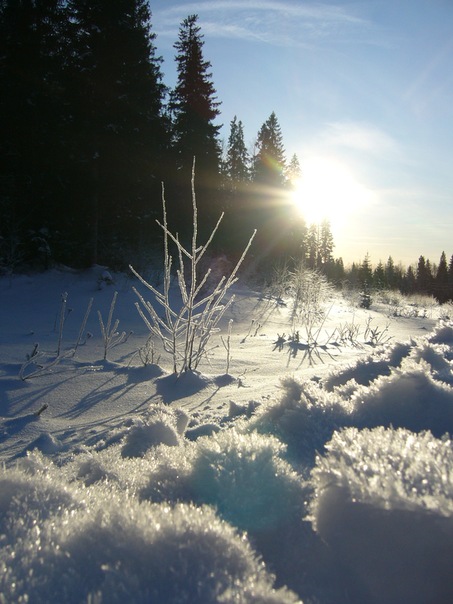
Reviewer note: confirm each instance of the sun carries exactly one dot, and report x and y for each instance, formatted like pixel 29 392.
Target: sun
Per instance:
pixel 327 190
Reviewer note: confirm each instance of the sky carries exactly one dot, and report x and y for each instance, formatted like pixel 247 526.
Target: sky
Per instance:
pixel 363 92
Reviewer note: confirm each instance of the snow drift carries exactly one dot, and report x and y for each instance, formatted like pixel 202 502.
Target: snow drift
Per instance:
pixel 332 485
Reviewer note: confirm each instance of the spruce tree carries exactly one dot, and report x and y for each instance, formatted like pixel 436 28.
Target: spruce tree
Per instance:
pixel 293 171
pixel 441 289
pixel 390 273
pixel 311 247
pixel 281 228
pixel 450 278
pixel 194 107
pixel 379 276
pixel 237 158
pixel 424 277
pixel 326 245
pixel 116 95
pixel 366 273
pixel 31 118
pixel 238 222
pixel 409 281
pixel 269 160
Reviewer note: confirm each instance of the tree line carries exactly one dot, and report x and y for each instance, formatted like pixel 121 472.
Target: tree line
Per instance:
pixel 423 277
pixel 89 132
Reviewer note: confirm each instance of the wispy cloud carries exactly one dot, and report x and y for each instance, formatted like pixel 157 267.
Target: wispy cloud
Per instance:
pixel 278 23
pixel 359 136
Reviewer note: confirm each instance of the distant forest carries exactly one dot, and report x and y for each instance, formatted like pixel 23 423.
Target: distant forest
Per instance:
pixel 89 132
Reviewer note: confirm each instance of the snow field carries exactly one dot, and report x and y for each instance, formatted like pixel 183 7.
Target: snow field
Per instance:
pixel 336 489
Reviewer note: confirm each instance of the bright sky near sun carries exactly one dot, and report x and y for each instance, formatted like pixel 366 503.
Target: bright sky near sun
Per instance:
pixel 363 91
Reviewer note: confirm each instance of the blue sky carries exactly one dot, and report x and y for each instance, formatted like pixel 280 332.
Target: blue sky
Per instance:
pixel 363 92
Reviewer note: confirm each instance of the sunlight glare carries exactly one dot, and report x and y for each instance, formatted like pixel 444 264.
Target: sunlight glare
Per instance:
pixel 327 190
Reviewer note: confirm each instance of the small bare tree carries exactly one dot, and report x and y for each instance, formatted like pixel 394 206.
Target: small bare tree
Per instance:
pixel 188 322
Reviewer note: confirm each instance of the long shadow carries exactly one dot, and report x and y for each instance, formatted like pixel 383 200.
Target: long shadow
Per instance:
pixel 31 399
pixel 11 427
pixel 313 354
pixel 128 378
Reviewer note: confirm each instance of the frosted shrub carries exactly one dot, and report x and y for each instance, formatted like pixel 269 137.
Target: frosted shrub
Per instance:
pixel 446 311
pixel 38 362
pixel 310 291
pixel 390 297
pixel 110 336
pixel 384 505
pixel 187 324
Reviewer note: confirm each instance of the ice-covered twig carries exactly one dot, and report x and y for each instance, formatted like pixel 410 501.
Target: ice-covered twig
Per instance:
pixel 185 333
pixel 110 334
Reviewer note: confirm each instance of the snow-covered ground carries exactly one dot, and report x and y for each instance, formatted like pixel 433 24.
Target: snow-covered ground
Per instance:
pixel 322 474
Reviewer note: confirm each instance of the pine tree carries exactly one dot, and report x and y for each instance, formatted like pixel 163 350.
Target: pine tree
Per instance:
pixel 326 245
pixel 311 247
pixel 116 96
pixel 390 274
pixel 293 171
pixel 269 159
pixel 31 118
pixel 379 276
pixel 410 283
pixel 424 276
pixel 281 228
pixel 441 289
pixel 194 107
pixel 366 272
pixel 235 189
pixel 237 159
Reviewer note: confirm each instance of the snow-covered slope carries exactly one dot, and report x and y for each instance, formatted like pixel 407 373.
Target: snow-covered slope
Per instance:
pixel 318 474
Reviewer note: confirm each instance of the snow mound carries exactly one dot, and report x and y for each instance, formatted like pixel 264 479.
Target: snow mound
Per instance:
pixel 115 549
pixel 417 395
pixel 442 333
pixel 245 477
pixel 173 387
pixel 161 425
pixel 384 505
pixel 24 495
pixel 409 398
pixel 370 367
pixel 304 419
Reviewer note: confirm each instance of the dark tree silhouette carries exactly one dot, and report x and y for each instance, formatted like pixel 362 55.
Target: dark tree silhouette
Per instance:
pixel 423 276
pixel 441 285
pixel 194 107
pixel 379 280
pixel 269 159
pixel 116 94
pixel 236 189
pixel 280 225
pixel 236 164
pixel 31 120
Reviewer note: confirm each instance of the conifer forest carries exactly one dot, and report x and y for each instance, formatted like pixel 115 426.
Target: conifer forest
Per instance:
pixel 91 138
